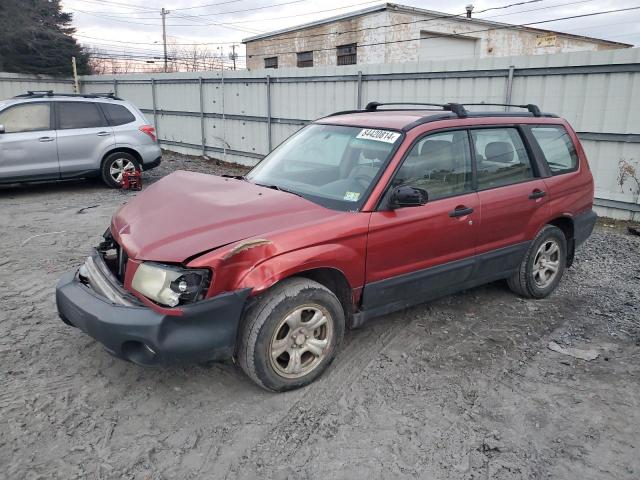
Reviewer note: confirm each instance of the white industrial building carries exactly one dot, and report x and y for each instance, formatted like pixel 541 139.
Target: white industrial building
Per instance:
pixel 392 33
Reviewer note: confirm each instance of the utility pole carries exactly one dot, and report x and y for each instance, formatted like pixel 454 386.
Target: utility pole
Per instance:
pixel 164 13
pixel 76 85
pixel 233 55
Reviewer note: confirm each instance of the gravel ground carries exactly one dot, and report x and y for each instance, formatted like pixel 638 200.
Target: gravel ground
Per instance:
pixel 463 387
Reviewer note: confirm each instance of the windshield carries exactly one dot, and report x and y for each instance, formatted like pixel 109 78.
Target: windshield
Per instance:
pixel 334 166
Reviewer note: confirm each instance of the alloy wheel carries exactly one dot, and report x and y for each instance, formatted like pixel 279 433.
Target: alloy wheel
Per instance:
pixel 301 341
pixel 546 263
pixel 119 166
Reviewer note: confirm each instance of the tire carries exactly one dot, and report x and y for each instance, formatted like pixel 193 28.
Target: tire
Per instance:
pixel 279 321
pixel 535 277
pixel 108 174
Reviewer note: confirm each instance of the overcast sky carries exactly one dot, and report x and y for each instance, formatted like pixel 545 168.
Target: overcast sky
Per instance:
pixel 134 26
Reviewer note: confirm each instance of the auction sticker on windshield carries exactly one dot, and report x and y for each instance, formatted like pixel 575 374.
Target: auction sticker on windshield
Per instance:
pixel 378 135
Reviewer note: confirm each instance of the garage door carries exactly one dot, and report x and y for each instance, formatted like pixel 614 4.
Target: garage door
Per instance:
pixel 433 47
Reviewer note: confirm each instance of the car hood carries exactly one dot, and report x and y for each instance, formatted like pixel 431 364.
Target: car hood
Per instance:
pixel 186 213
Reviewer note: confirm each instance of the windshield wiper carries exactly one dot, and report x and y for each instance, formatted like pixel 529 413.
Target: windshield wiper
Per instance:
pixel 237 177
pixel 276 187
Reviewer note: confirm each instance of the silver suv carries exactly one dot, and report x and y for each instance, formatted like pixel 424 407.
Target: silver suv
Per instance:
pixel 48 136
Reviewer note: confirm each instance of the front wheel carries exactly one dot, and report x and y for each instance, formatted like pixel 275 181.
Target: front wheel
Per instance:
pixel 290 335
pixel 543 265
pixel 114 165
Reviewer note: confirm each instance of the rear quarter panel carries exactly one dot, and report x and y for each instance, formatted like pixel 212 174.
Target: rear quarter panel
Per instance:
pixel 571 193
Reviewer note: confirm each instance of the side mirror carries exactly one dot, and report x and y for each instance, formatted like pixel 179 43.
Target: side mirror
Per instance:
pixel 406 196
pixel 2 130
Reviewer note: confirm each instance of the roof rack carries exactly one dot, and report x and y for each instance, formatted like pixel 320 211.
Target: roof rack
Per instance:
pixel 456 108
pixel 534 109
pixel 50 93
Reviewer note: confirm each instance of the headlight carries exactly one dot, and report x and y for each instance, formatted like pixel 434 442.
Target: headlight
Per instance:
pixel 170 285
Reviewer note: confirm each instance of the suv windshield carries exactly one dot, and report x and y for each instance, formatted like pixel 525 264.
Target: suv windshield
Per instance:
pixel 334 166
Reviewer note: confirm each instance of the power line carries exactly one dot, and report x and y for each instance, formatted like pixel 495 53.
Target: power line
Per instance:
pixel 188 17
pixel 238 22
pixel 423 20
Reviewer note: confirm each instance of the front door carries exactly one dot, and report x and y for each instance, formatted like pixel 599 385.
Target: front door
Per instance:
pixel 418 253
pixel 28 144
pixel 83 137
pixel 513 199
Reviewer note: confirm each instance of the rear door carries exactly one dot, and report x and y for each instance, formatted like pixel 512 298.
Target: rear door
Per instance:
pixel 418 253
pixel 569 184
pixel 28 146
pixel 84 137
pixel 513 198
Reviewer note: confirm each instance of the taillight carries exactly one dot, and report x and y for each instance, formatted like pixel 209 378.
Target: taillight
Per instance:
pixel 149 130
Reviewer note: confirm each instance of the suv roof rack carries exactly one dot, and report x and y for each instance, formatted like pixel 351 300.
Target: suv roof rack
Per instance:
pixel 534 109
pixel 50 93
pixel 456 108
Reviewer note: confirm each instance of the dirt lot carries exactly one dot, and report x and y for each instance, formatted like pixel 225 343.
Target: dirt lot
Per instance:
pixel 464 387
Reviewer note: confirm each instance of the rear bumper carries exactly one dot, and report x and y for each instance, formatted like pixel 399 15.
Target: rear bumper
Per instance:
pixel 583 226
pixel 150 153
pixel 206 330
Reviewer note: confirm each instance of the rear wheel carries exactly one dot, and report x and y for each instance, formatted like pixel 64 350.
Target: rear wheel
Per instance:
pixel 543 266
pixel 290 335
pixel 114 165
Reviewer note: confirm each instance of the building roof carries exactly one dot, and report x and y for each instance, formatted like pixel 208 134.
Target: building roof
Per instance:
pixel 421 11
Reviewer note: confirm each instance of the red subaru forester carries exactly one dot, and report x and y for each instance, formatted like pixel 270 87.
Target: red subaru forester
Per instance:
pixel 356 215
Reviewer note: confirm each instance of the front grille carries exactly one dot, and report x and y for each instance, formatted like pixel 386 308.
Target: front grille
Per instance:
pixel 114 256
pixel 121 262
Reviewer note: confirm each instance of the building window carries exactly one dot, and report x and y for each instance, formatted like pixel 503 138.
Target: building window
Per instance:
pixel 305 59
pixel 347 54
pixel 271 62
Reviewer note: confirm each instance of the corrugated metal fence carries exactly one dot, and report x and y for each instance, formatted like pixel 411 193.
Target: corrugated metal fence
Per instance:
pixel 240 116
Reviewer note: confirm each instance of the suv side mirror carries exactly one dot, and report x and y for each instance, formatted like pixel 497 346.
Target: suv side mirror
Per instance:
pixel 407 196
pixel 2 130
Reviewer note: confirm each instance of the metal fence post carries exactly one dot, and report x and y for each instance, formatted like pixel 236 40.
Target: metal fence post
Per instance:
pixel 115 87
pixel 359 100
pixel 509 87
pixel 155 109
pixel 202 117
pixel 269 113
pixel 224 120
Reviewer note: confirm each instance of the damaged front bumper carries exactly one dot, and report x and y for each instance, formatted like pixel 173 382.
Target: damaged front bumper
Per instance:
pixel 92 300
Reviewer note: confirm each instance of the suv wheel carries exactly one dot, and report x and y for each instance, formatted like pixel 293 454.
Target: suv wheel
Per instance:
pixel 114 165
pixel 290 335
pixel 543 265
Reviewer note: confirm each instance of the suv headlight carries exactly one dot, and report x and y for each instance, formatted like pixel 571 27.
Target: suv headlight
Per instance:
pixel 169 285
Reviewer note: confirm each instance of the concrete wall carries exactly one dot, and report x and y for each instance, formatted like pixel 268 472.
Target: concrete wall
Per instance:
pixel 411 36
pixel 240 116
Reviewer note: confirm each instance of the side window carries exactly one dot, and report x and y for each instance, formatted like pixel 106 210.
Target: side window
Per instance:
pixel 557 147
pixel 29 117
pixel 501 157
pixel 440 164
pixel 79 115
pixel 117 114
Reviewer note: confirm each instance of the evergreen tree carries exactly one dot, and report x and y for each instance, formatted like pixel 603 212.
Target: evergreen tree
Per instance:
pixel 35 37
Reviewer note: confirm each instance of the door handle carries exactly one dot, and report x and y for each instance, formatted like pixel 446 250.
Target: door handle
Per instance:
pixel 103 134
pixel 461 211
pixel 46 139
pixel 537 194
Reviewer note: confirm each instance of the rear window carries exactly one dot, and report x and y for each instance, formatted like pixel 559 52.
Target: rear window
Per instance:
pixel 117 114
pixel 557 147
pixel 79 115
